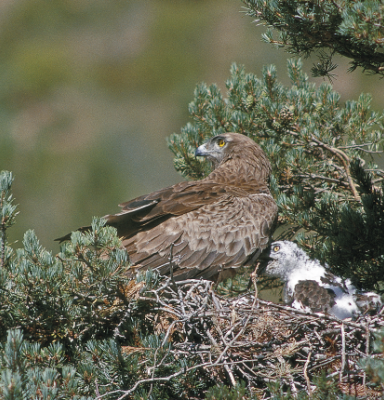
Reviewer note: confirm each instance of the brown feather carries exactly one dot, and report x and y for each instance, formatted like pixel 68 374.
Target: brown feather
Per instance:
pixel 310 294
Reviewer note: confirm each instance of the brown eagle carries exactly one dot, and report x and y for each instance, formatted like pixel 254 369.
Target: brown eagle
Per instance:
pixel 208 227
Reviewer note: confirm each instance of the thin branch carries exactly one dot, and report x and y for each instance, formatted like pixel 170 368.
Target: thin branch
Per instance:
pixel 3 233
pixel 342 352
pixel 322 178
pixel 306 375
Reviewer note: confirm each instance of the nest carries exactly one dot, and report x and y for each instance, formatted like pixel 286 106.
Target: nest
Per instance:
pixel 258 342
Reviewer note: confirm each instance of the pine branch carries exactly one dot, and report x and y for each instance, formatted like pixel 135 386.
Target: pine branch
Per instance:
pixel 353 30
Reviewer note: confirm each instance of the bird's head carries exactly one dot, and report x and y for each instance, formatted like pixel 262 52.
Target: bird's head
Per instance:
pixel 284 257
pixel 216 149
pixel 232 147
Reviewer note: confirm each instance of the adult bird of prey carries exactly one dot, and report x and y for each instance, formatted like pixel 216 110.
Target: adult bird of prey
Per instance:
pixel 310 286
pixel 208 227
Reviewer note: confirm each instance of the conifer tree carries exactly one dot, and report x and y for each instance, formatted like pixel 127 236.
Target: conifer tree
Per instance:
pixel 353 29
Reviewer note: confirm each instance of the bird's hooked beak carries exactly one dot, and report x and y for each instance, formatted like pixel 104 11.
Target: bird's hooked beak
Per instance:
pixel 202 150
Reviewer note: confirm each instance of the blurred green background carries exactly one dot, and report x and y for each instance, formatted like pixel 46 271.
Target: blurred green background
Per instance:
pixel 90 89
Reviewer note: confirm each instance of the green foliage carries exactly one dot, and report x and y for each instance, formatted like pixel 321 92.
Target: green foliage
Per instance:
pixel 7 215
pixel 77 295
pixel 323 389
pixel 30 371
pixel 375 366
pixel 326 389
pixel 352 29
pixel 238 392
pixel 324 177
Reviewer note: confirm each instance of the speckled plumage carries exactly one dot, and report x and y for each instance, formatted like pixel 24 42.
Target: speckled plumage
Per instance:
pixel 214 225
pixel 309 285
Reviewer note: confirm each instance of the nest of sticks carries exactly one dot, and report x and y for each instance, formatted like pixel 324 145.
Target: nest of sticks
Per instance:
pixel 259 342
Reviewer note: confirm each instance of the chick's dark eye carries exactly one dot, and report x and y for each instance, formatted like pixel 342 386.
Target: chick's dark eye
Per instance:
pixel 276 248
pixel 221 142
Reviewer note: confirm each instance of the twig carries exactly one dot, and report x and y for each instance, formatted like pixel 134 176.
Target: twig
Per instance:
pixel 342 352
pixel 351 146
pixel 153 373
pixel 97 388
pixel 321 178
pixel 306 375
pixel 170 258
pixel 230 374
pixel 367 354
pixel 2 233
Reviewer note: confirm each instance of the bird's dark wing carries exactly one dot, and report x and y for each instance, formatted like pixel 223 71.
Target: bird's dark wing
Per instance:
pixel 310 294
pixel 122 220
pixel 153 208
pixel 172 201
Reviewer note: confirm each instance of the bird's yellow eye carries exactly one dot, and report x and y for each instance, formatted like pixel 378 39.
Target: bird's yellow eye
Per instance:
pixel 221 142
pixel 276 248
